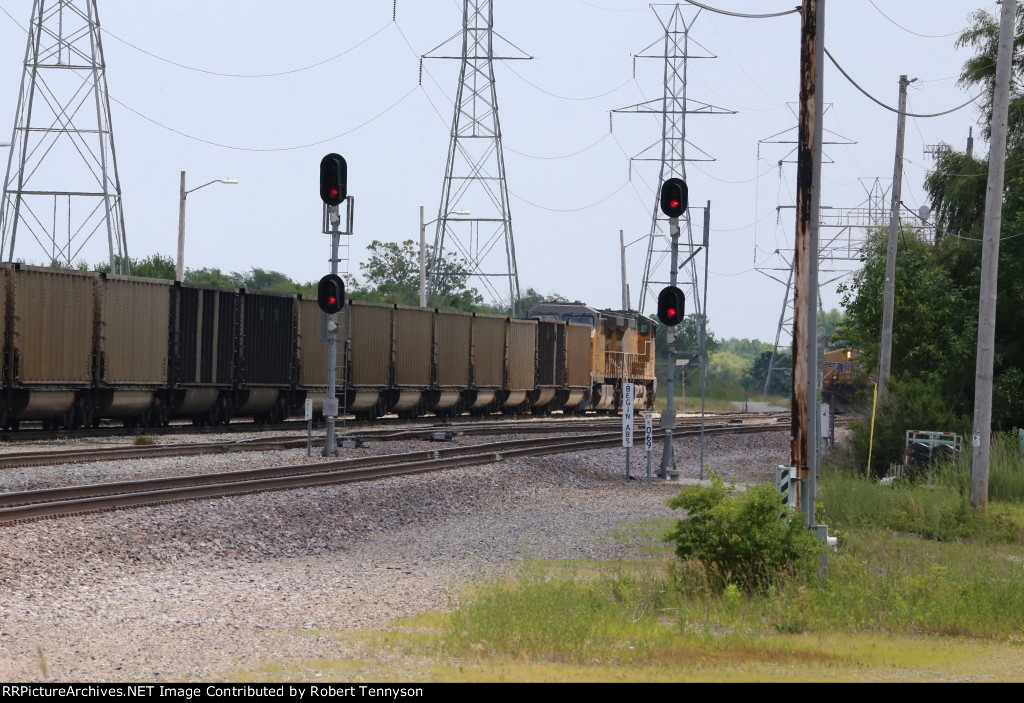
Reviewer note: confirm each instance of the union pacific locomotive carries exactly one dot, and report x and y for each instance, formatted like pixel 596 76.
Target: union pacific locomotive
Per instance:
pixel 80 347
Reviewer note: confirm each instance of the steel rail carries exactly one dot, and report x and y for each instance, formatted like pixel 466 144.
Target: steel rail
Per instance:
pixel 28 505
pixel 79 456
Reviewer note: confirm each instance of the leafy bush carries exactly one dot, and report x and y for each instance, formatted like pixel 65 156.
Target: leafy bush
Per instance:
pixel 910 405
pixel 740 539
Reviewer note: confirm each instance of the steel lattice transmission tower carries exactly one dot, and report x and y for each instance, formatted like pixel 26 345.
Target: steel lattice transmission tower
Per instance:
pixel 474 178
pixel 673 106
pixel 61 186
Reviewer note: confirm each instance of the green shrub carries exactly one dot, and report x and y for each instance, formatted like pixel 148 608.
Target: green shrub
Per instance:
pixel 740 539
pixel 910 405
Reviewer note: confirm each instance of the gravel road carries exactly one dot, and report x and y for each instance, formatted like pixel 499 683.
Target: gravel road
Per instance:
pixel 190 591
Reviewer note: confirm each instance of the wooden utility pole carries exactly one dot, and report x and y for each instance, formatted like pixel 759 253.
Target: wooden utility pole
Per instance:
pixel 805 255
pixel 889 294
pixel 981 436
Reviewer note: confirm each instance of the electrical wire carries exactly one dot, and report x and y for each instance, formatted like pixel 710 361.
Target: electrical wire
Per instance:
pixel 747 226
pixel 892 109
pixel 918 34
pixel 612 9
pixel 576 209
pixel 741 14
pixel 267 149
pixel 564 97
pixel 563 156
pixel 245 75
pixel 975 239
pixel 722 180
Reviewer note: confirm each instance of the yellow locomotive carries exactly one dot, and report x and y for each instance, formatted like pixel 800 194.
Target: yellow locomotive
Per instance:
pixel 622 351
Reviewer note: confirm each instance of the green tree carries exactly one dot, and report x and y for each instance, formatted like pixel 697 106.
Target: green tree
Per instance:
pixel 152 266
pixel 392 273
pixel 782 377
pixel 729 367
pixel 212 277
pixel 937 283
pixel 532 298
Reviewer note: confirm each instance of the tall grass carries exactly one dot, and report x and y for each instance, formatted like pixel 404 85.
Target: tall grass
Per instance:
pixel 938 511
pixel 1006 468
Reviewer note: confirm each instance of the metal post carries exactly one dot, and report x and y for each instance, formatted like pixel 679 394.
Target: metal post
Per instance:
pixel 331 402
pixel 625 288
pixel 179 269
pixel 702 342
pixel 423 261
pixel 668 418
pixel 982 430
pixel 889 291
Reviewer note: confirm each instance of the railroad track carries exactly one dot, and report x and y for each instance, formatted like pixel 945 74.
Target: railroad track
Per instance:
pixel 53 502
pixel 378 425
pixel 78 456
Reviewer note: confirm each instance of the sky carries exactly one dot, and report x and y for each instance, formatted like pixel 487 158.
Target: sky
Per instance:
pixel 349 82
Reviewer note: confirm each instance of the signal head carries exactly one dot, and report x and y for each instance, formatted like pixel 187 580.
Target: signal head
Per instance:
pixel 671 306
pixel 333 179
pixel 674 197
pixel 330 294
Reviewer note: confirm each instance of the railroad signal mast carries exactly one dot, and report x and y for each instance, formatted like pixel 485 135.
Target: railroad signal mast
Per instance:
pixel 330 293
pixel 671 307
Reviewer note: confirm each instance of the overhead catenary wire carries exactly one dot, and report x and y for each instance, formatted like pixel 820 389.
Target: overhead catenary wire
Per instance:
pixel 296 147
pixel 743 14
pixel 560 156
pixel 246 75
pixel 565 97
pixel 911 31
pixel 574 209
pixel 893 109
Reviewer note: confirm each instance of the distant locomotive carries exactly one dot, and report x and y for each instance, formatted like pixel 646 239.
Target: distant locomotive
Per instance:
pixel 622 351
pixel 842 377
pixel 80 347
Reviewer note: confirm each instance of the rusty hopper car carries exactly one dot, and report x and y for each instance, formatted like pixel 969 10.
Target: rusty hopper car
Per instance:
pixel 452 354
pixel 131 356
pixel 48 345
pixel 488 344
pixel 311 352
pixel 204 326
pixel 520 365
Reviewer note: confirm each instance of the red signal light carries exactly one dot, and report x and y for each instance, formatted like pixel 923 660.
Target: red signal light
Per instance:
pixel 673 204
pixel 671 303
pixel 330 293
pixel 334 192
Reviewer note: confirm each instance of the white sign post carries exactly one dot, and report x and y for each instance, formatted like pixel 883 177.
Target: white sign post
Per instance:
pixel 648 441
pixel 627 421
pixel 309 427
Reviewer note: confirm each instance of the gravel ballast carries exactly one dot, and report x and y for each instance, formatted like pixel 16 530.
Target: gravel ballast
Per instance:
pixel 196 589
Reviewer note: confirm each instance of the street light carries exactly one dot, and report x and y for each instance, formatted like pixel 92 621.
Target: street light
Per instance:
pixel 423 247
pixel 179 270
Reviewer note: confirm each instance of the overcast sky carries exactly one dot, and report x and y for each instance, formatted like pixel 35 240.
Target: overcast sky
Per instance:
pixel 566 212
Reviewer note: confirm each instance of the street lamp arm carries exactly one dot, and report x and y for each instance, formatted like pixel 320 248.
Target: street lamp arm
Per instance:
pixel 179 269
pixel 229 181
